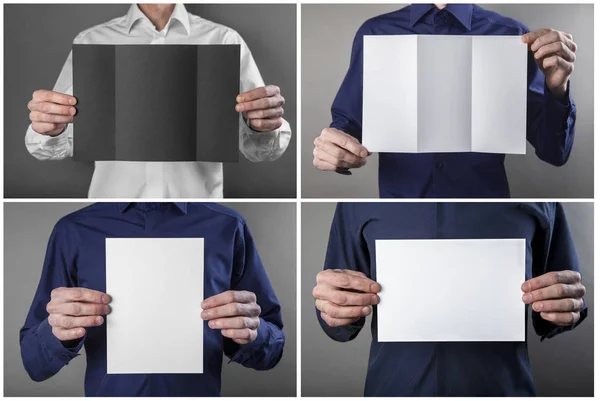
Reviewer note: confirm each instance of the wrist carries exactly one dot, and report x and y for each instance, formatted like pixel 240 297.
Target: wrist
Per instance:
pixel 559 92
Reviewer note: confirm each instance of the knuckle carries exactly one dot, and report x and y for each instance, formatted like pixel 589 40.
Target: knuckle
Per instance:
pixel 52 320
pixel 339 298
pixel 573 316
pixel 56 292
pixel 36 94
pixel 574 304
pixel 333 310
pixel 45 108
pixel 577 276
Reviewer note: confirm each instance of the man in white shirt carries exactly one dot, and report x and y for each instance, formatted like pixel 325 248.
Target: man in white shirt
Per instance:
pixel 264 134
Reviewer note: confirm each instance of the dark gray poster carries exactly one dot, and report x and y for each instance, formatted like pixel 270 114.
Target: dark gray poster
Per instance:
pixel 156 102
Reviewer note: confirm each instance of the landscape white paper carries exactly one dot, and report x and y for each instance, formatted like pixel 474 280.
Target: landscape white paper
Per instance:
pixel 157 287
pixel 450 290
pixel 444 93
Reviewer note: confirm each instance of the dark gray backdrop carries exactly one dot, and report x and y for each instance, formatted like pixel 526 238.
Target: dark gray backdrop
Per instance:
pixel 327 34
pixel 27 227
pixel 37 40
pixel 562 366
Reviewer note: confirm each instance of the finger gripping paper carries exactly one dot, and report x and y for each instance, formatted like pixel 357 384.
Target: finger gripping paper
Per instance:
pixel 156 102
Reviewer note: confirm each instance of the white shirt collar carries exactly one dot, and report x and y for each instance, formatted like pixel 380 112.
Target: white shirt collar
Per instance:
pixel 179 13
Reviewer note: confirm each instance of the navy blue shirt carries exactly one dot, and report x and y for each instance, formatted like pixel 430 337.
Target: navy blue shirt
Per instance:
pixel 76 258
pixel 449 368
pixel 550 122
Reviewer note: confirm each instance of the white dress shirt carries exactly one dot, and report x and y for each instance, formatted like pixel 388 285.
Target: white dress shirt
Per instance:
pixel 120 179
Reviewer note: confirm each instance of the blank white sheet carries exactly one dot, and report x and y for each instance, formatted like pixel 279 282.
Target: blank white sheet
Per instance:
pixel 450 290
pixel 157 287
pixel 499 117
pixel 385 59
pixel 444 93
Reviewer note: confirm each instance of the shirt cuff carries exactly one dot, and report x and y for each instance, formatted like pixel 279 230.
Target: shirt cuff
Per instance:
pixel 560 112
pixel 53 347
pixel 47 140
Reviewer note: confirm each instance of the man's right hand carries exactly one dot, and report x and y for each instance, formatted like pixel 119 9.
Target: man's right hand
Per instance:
pixel 71 310
pixel 51 112
pixel 344 296
pixel 335 150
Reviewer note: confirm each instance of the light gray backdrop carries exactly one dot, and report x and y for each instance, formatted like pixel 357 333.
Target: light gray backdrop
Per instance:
pixel 327 35
pixel 562 366
pixel 27 227
pixel 37 40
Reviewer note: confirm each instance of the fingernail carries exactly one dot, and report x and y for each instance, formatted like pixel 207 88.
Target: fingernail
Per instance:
pixel 80 332
pixel 73 101
pixel 99 320
pixel 364 153
pixel 538 306
pixel 203 316
pixel 73 111
pixel 375 287
pixel 239 99
pixel 544 314
pixel 527 298
pixel 105 299
pixel 211 324
pixel 239 107
pixel 525 287
pixel 374 300
pixel 106 310
pixel 366 311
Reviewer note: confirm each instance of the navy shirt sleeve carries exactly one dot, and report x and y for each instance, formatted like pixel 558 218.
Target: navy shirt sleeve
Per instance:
pixel 550 121
pixel 249 274
pixel 43 354
pixel 346 250
pixel 558 254
pixel 346 111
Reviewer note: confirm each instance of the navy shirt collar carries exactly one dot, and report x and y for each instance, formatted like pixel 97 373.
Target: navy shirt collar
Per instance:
pixel 462 12
pixel 180 205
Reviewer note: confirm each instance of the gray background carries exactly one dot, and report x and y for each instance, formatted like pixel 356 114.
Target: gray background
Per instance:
pixel 327 35
pixel 562 366
pixel 27 227
pixel 37 40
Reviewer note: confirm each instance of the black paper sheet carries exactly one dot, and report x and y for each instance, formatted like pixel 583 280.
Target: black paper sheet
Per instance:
pixel 156 102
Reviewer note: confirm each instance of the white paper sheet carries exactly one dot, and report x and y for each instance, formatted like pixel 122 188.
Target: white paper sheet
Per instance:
pixel 157 287
pixel 450 290
pixel 444 93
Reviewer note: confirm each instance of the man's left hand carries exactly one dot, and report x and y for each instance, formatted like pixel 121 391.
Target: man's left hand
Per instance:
pixel 554 52
pixel 262 107
pixel 558 296
pixel 235 313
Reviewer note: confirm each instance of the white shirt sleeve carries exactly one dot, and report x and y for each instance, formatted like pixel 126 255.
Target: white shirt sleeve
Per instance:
pixel 258 146
pixel 44 147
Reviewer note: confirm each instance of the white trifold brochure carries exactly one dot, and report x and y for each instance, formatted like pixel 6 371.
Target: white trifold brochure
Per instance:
pixel 157 287
pixel 444 93
pixel 450 290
